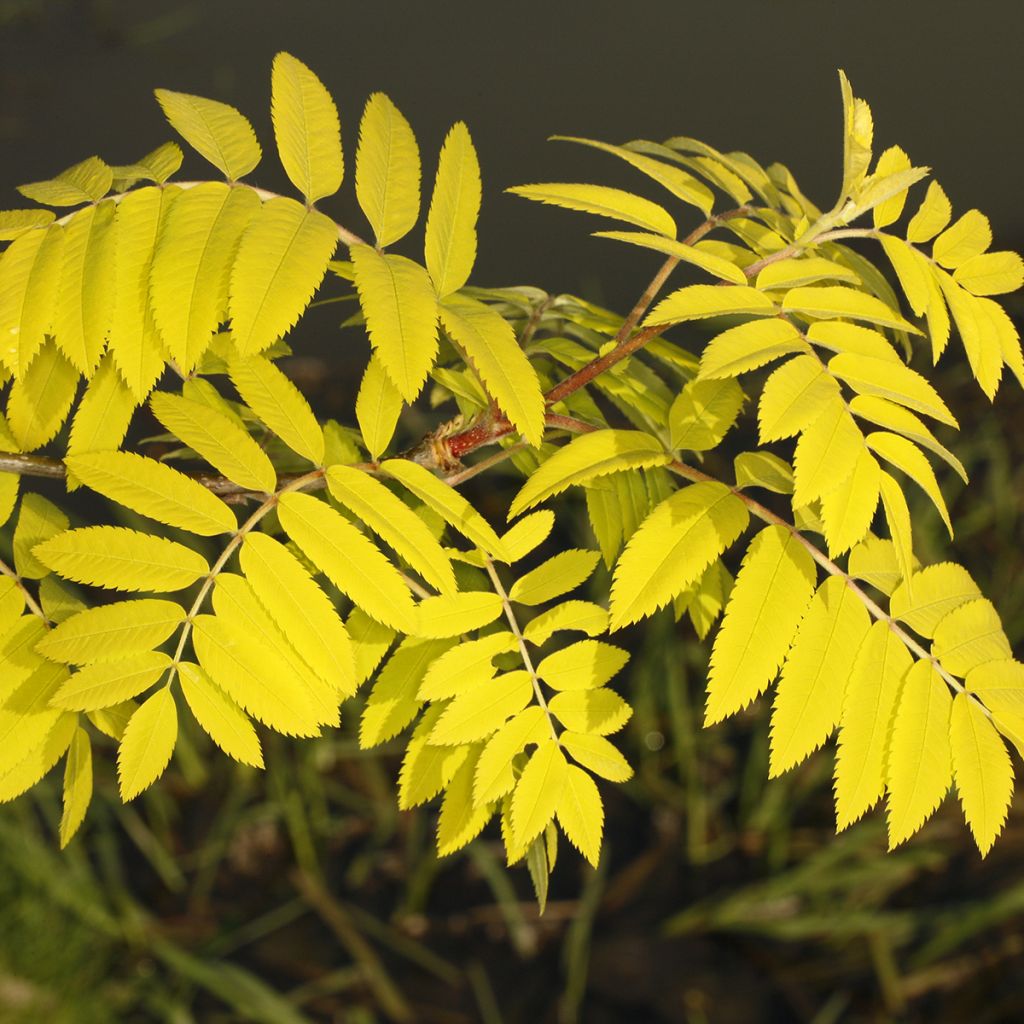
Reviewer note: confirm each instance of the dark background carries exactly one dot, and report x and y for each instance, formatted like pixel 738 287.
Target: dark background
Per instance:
pixel 301 895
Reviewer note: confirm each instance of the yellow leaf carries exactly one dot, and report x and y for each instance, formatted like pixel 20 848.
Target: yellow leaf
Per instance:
pixel 874 561
pixel 427 769
pixel 826 302
pixel 848 509
pixel 792 273
pixel 558 575
pixel 103 416
pixel 981 338
pixel 858 130
pixel 464 667
pixel 147 744
pixel 793 396
pixel 306 129
pixel 991 273
pixel 494 776
pixel 839 336
pixel 215 130
pixel 483 709
pixel 968 636
pixel 762 469
pixel 897 517
pixel 966 238
pixel 538 791
pixel 38 520
pixel 387 170
pixel 700 301
pixel 77 786
pixel 749 346
pixel 599 712
pixel 450 615
pixel 982 770
pixel 893 381
pixel 715 265
pixel 703 413
pixel 602 201
pixel 912 270
pixel 581 813
pixel 85 182
pixel 378 406
pixel 15 223
pixel 528 534
pixel 110 682
pixel 827 452
pixel 934 592
pixel 581 616
pixel 932 216
pixel 221 718
pixel 584 665
pixel 597 754
pixel 450 243
pixel 906 456
pixel 891 161
pixel 459 821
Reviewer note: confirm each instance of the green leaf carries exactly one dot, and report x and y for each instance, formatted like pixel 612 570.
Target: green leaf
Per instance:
pixel 349 559
pixel 581 813
pixel 587 457
pixel 221 718
pixel 717 266
pixel 451 506
pixel 602 202
pixel 112 631
pixel 808 700
pixel 749 346
pixel 920 758
pixel 700 301
pixel 581 616
pixel 191 272
pixel 558 575
pixel 155 490
pixel 829 301
pixel 584 665
pixel 774 586
pixel 597 754
pixel 110 682
pixel 673 546
pixel 306 129
pixel 703 413
pixel 378 406
pixel 538 792
pixel 77 786
pixel 387 170
pixel 450 243
pixel 982 770
pixel 279 404
pixel 281 260
pixel 216 131
pixel 217 438
pixel 400 307
pixel 147 745
pixel 121 559
pixel 492 350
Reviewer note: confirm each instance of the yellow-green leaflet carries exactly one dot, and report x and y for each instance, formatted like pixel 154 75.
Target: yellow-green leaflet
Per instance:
pixel 85 296
pixel 464 666
pixel 281 260
pixel 894 381
pixel 580 616
pixel 584 665
pixel 934 592
pixel 699 301
pixel 538 791
pixel 703 413
pixel 450 242
pixel 84 182
pixel 195 250
pixel 793 396
pixel 588 456
pixel 931 217
pixel 304 613
pixel 493 351
pixel 18 657
pixel 40 399
pixel 38 520
pixel 600 712
pixel 603 202
pixel 673 547
pixel 808 699
pixel 749 346
pixel 581 813
pixel 113 721
pixel 215 130
pixel 991 273
pixel 999 683
pixel 558 575
pixel 829 301
pixel 156 166
pixel 254 676
pixel 459 821
pixel 77 793
pixel 110 682
pixel 57 600
pixel 155 490
pixel 217 438
pixel 103 415
pixel 306 129
pixel 848 509
pixel 280 404
pixel 897 518
pixel 450 615
pixel 15 223
pixel 528 534
pixel 858 131
pixel 968 636
pixel 378 406
pixel 349 559
pixel 426 768
pixel 597 754
pixel 392 703
pixel 827 452
pixel 682 185
pixel 394 522
pixel 966 238
pixel 483 709
pixel 400 307
pixel 762 469
pixel 874 683
pixel 840 336
pixel 906 456
pixel 920 760
pixel 451 506
pixel 31 267
pixel 774 586
pixel 494 776
pixel 221 718
pixel 121 559
pixel 982 770
pixel 26 716
pixel 147 744
pixel 51 735
pixel 980 336
pixel 793 273
pixel 12 604
pixel 912 270
pixel 717 266
pixel 387 170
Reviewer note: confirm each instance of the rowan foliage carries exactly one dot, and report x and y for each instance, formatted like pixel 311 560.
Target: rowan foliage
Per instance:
pixel 261 569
